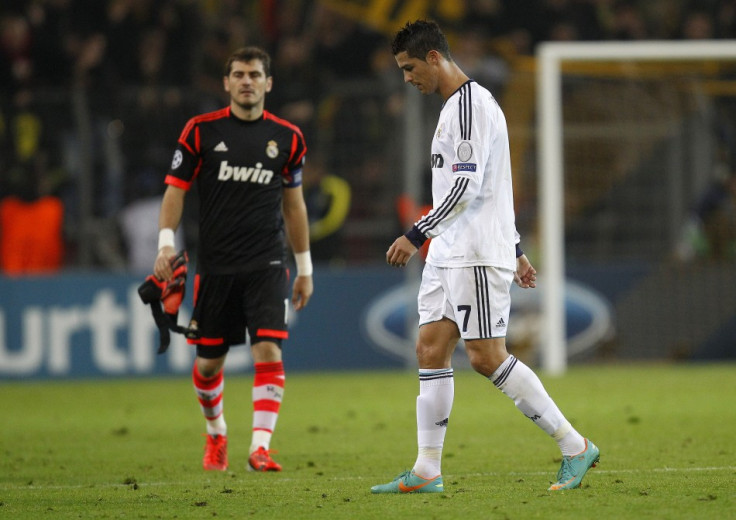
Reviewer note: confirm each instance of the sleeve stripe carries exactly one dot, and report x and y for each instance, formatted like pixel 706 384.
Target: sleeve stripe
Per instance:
pixel 175 181
pixel 185 145
pixel 465 107
pixel 434 217
pixel 296 140
pixel 461 114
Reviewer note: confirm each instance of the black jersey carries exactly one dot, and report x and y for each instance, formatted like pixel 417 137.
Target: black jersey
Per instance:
pixel 241 168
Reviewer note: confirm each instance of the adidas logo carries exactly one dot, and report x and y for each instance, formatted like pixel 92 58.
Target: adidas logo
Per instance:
pixel 221 147
pixel 501 323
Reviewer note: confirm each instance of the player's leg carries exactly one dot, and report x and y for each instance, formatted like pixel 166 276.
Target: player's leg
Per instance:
pixel 209 384
pixel 268 392
pixel 213 306
pixel 438 336
pixel 489 357
pixel 522 385
pixel 435 345
pixel 267 312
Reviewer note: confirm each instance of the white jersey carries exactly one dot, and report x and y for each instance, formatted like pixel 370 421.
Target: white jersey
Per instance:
pixel 472 219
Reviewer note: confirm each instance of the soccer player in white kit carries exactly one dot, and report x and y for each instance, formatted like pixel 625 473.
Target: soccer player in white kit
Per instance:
pixel 473 258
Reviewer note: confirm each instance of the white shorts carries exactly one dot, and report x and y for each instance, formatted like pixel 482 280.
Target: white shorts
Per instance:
pixel 476 298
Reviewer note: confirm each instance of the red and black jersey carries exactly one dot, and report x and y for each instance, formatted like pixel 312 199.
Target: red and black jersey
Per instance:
pixel 241 168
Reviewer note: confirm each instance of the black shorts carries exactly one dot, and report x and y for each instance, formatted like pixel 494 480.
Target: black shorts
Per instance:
pixel 225 305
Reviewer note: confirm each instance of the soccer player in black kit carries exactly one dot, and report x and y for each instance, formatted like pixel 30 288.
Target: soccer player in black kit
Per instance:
pixel 248 167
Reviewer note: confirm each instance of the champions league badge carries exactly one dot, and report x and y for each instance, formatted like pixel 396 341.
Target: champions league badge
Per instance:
pixel 272 149
pixel 177 160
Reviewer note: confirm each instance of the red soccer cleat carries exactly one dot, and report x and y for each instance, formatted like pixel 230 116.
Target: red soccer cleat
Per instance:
pixel 260 460
pixel 215 453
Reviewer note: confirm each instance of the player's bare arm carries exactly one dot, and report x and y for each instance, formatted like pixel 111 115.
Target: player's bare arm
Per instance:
pixel 400 252
pixel 172 207
pixel 525 275
pixel 296 224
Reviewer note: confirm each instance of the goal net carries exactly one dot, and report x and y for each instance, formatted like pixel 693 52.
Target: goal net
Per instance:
pixel 636 151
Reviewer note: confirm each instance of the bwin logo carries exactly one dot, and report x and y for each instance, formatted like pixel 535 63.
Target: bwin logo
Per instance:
pixel 244 173
pixel 437 161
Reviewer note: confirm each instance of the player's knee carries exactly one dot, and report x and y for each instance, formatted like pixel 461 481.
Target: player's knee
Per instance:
pixel 482 365
pixel 431 356
pixel 486 355
pixel 266 352
pixel 209 367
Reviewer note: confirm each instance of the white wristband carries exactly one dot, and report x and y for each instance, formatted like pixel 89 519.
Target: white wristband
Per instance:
pixel 303 263
pixel 165 238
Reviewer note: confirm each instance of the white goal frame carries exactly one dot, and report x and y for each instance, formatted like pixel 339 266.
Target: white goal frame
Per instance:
pixel 551 173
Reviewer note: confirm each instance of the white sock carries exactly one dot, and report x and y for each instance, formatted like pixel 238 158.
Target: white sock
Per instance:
pixel 260 438
pixel 521 384
pixel 217 426
pixel 434 403
pixel 570 443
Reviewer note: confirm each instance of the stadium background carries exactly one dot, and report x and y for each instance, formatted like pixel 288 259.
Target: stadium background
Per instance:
pixel 93 95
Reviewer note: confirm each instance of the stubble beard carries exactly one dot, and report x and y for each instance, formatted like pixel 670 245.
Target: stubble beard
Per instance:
pixel 249 105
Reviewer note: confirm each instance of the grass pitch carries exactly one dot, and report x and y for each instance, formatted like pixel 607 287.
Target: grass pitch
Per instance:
pixel 132 448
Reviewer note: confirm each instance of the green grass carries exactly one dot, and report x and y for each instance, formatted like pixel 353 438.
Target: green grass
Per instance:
pixel 132 448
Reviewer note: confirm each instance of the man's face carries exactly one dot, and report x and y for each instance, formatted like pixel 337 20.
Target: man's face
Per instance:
pixel 247 83
pixel 422 74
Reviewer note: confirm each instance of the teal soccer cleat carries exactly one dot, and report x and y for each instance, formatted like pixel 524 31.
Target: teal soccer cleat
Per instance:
pixel 574 468
pixel 410 482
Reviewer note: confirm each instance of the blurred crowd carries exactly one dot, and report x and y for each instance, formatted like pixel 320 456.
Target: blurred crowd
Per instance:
pixel 93 94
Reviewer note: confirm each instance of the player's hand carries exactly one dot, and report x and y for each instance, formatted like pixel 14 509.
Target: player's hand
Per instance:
pixel 400 252
pixel 302 292
pixel 173 294
pixel 162 267
pixel 525 275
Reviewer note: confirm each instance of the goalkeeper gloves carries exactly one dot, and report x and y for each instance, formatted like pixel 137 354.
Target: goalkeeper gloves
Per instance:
pixel 155 292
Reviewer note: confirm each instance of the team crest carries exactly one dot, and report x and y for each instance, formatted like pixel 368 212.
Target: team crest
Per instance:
pixel 440 129
pixel 272 149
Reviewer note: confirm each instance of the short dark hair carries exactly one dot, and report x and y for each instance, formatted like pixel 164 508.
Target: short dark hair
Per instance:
pixel 418 38
pixel 246 54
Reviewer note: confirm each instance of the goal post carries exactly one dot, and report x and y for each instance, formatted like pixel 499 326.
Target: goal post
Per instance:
pixel 551 168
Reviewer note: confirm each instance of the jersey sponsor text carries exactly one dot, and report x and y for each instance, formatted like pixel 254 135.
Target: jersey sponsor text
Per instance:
pixel 244 173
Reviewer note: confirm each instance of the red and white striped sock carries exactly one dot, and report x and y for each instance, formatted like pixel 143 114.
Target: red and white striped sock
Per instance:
pixel 268 390
pixel 209 393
